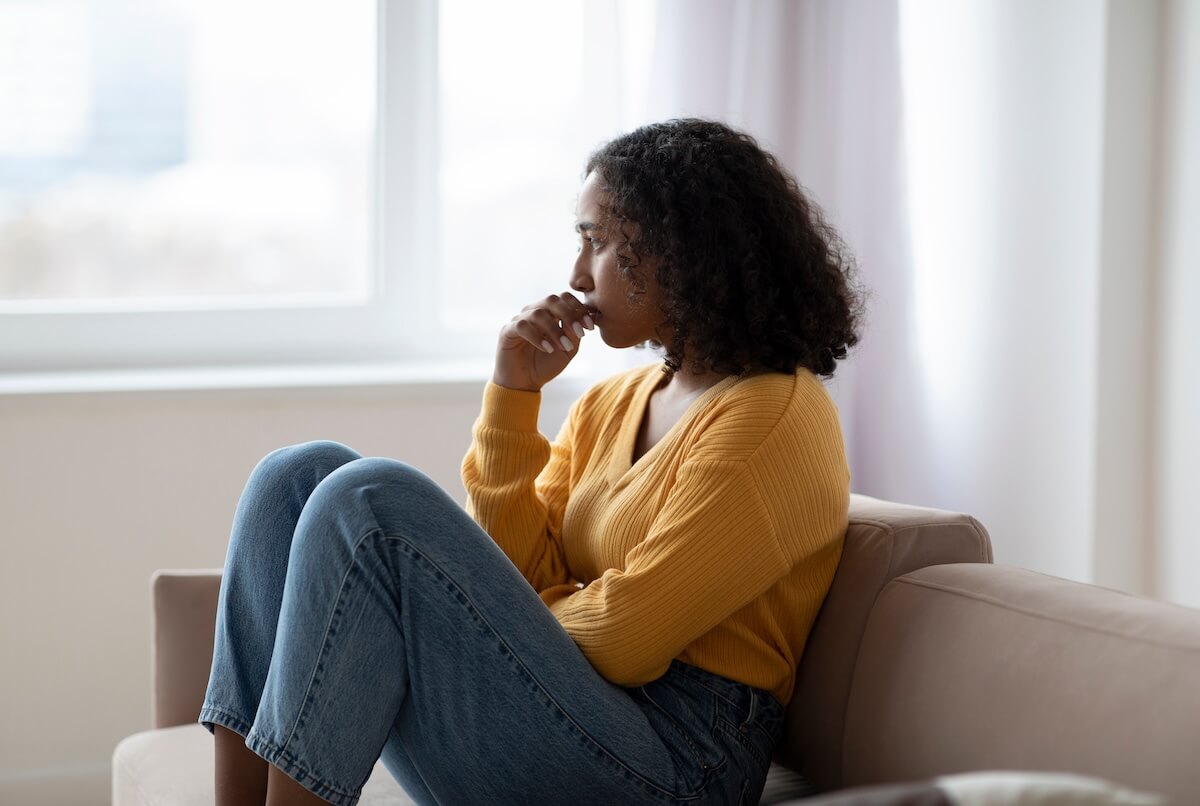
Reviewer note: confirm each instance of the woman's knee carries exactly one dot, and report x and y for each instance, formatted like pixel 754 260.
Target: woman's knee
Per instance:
pixel 308 462
pixel 398 480
pixel 396 493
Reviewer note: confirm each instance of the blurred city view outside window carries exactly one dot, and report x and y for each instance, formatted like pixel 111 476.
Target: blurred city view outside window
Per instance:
pixel 182 149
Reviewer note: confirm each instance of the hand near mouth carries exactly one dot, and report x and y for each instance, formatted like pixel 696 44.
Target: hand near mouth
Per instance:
pixel 540 341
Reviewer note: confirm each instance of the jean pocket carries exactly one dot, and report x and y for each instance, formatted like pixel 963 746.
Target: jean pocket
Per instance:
pixel 686 722
pixel 756 726
pixel 764 713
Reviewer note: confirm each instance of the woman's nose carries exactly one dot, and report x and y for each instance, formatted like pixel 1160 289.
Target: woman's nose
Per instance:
pixel 580 280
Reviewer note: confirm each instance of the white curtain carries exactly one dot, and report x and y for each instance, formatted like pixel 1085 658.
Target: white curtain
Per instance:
pixel 1018 180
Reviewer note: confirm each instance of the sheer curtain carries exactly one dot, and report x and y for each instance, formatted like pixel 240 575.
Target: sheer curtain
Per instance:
pixel 1015 178
pixel 818 83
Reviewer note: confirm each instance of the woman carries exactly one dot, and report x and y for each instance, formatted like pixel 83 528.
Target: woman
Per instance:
pixel 617 617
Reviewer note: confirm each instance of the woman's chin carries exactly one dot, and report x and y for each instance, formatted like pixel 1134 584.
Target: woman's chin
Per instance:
pixel 613 339
pixel 608 339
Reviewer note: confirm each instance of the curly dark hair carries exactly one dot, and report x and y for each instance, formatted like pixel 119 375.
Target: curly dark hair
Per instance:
pixel 752 276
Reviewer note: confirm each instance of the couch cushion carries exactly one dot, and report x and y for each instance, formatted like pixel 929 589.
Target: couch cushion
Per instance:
pixel 884 540
pixel 970 667
pixel 174 767
pixel 1002 788
pixel 1039 789
pixel 784 785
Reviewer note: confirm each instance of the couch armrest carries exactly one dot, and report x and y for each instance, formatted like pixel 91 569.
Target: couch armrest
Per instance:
pixel 884 540
pixel 185 616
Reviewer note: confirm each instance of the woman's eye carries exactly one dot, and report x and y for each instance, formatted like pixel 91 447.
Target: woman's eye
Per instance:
pixel 593 243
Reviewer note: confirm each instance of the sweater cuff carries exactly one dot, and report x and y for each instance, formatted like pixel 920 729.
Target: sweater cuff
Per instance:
pixel 557 594
pixel 510 409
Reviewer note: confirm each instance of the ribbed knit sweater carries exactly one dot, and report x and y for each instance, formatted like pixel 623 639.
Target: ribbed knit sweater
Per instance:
pixel 716 547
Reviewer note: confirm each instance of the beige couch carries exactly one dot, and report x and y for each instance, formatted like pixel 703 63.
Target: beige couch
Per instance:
pixel 925 660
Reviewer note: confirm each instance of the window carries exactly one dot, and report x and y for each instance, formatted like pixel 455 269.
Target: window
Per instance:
pixel 189 182
pixel 162 151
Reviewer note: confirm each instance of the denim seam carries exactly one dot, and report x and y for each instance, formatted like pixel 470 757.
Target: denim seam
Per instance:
pixel 474 611
pixel 712 690
pixel 314 678
pixel 240 725
pixel 732 731
pixel 751 707
pixel 288 763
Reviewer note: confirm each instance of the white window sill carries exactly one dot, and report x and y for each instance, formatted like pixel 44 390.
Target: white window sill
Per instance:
pixel 410 375
pixel 191 379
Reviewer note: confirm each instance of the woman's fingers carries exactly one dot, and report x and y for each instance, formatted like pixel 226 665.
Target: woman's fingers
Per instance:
pixel 532 334
pixel 577 311
pixel 557 321
pixel 556 330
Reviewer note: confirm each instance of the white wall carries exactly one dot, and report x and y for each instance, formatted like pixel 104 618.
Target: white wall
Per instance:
pixel 99 490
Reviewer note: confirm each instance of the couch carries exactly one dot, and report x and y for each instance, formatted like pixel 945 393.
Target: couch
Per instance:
pixel 926 660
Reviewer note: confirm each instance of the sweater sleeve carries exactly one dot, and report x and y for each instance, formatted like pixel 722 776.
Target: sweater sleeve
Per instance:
pixel 517 483
pixel 720 541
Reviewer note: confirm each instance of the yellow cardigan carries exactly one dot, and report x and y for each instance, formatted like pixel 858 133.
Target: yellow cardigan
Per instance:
pixel 716 547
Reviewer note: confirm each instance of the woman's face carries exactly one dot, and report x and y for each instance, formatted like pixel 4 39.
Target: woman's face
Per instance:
pixel 628 309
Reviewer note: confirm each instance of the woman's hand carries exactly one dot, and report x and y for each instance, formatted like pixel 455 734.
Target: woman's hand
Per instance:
pixel 540 341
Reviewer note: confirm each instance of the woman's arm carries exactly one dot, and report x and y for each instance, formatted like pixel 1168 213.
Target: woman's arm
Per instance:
pixel 518 483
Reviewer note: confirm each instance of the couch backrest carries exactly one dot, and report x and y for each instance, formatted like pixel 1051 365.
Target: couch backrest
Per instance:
pixel 884 540
pixel 968 667
pixel 185 616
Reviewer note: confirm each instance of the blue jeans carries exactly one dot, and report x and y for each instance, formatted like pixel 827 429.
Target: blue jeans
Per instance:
pixel 363 615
